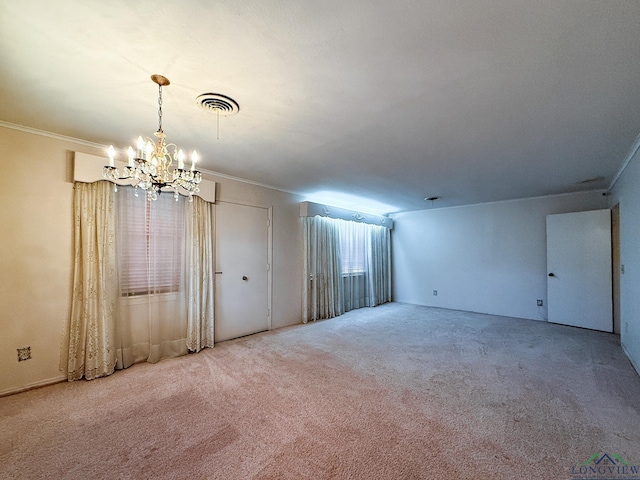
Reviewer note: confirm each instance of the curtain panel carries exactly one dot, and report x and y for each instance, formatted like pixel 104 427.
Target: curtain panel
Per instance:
pixel 346 266
pixel 322 295
pixel 92 326
pixel 199 274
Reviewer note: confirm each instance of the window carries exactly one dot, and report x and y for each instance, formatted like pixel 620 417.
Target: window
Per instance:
pixel 353 247
pixel 150 243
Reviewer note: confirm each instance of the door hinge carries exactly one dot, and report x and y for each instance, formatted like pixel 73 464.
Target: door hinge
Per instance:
pixel 268 267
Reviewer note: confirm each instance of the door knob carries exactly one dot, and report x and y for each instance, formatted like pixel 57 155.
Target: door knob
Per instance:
pixel 244 278
pixel 551 275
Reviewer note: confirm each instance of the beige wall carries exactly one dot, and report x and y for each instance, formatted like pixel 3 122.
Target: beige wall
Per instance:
pixel 36 242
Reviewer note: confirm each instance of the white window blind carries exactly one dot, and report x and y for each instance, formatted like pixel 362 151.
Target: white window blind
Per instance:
pixel 150 243
pixel 353 246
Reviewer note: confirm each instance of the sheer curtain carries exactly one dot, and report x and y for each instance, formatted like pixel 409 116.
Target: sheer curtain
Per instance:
pixel 346 266
pixel 355 263
pixel 92 336
pixel 152 323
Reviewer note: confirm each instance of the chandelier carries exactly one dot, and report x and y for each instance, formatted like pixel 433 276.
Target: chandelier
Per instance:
pixel 150 165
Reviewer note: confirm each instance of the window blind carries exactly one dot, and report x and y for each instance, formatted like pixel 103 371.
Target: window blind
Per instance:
pixel 151 242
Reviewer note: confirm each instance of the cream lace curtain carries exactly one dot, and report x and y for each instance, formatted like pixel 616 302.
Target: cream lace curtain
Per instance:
pixel 143 284
pixel 199 275
pixel 92 351
pixel 346 266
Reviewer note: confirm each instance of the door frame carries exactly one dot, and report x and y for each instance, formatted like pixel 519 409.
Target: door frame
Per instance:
pixel 615 266
pixel 269 209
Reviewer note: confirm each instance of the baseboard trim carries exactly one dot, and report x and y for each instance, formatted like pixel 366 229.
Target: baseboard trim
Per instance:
pixel 31 386
pixel 470 311
pixel 633 363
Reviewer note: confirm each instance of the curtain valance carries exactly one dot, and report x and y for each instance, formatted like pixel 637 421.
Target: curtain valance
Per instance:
pixel 310 209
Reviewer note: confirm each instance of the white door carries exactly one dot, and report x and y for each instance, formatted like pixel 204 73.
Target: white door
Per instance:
pixel 241 295
pixel 579 269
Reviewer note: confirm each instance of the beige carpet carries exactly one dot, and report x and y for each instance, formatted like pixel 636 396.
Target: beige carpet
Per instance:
pixel 393 392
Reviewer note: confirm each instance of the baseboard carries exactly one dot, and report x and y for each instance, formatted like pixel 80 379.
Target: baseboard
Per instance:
pixel 633 363
pixel 469 311
pixel 31 386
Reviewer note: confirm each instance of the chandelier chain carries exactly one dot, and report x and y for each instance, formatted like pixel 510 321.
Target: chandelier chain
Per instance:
pixel 159 108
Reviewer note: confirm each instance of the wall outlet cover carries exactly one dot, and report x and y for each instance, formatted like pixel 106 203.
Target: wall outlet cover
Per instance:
pixel 24 354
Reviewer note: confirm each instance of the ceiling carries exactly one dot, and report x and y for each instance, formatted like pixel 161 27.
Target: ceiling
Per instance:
pixel 473 101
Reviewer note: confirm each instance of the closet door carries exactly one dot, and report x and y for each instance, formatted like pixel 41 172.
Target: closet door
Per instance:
pixel 579 269
pixel 242 270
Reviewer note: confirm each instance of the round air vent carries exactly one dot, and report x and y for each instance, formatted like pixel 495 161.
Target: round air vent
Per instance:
pixel 220 104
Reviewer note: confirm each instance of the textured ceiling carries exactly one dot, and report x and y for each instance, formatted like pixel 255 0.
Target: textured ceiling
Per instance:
pixel 473 101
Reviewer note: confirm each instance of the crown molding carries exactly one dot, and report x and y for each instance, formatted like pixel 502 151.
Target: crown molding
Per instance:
pixel 632 152
pixel 44 133
pixel 86 143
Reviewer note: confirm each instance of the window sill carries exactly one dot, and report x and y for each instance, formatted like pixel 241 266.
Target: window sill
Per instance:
pixel 151 298
pixel 353 274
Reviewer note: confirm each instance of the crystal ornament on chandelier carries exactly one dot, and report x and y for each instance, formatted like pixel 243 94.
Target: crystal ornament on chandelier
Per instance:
pixel 150 165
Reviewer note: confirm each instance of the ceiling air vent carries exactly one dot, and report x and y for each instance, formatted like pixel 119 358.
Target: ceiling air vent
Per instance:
pixel 219 104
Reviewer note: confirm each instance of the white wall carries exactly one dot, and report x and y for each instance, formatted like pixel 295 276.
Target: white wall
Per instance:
pixel 36 241
pixel 626 192
pixel 487 258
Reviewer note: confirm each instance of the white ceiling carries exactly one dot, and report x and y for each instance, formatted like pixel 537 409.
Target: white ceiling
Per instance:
pixel 473 101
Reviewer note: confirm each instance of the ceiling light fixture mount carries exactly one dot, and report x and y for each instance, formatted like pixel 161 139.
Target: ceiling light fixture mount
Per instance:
pixel 150 165
pixel 599 178
pixel 431 199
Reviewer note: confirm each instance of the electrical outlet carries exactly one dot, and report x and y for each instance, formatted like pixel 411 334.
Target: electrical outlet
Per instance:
pixel 622 269
pixel 540 302
pixel 24 353
pixel 435 293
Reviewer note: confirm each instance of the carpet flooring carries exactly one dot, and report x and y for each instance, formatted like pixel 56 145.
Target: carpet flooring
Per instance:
pixel 392 392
